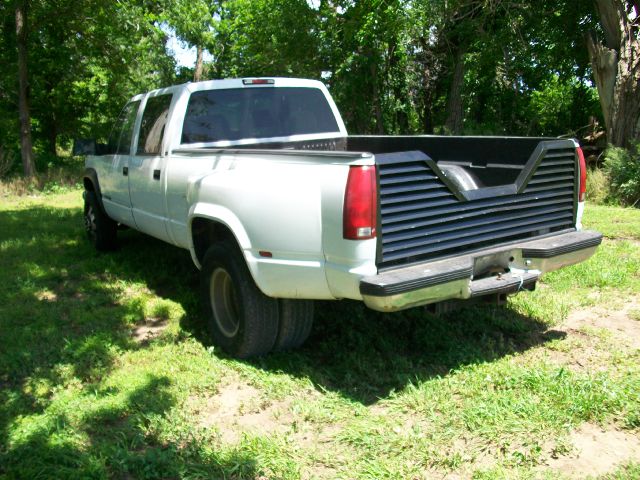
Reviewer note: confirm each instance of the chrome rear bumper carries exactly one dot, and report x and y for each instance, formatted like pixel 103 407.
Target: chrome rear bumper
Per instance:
pixel 500 270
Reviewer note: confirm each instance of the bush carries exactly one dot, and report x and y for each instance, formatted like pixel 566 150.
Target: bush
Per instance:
pixel 623 169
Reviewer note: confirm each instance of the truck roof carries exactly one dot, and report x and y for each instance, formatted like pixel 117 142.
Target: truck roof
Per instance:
pixel 246 82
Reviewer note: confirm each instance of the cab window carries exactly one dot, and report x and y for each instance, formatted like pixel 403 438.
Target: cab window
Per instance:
pixel 237 113
pixel 122 132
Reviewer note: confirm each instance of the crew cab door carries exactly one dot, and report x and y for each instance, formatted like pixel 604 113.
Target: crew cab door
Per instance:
pixel 147 173
pixel 114 168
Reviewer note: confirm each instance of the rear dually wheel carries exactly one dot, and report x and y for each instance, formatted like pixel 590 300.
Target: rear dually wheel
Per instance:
pixel 242 320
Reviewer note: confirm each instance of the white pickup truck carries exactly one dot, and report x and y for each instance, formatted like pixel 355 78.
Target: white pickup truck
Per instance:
pixel 278 206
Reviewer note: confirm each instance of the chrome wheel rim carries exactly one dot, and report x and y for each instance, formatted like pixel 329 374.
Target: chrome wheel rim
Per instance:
pixel 224 302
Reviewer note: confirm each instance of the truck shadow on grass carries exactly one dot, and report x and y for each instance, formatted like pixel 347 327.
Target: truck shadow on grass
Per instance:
pixel 64 325
pixel 366 355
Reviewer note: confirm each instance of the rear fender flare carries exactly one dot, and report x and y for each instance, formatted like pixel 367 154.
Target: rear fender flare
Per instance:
pixel 226 217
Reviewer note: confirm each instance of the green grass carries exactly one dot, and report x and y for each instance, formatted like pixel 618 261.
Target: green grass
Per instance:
pixel 614 222
pixel 481 392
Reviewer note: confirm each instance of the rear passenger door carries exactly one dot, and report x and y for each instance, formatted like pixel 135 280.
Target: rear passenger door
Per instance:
pixel 114 171
pixel 147 175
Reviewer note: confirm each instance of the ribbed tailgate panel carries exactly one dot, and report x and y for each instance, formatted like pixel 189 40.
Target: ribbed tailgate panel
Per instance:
pixel 422 218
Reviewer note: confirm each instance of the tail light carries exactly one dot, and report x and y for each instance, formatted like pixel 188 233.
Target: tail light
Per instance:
pixel 360 199
pixel 582 164
pixel 258 81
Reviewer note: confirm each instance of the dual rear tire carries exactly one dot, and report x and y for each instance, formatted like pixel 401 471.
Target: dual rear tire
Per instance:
pixel 242 320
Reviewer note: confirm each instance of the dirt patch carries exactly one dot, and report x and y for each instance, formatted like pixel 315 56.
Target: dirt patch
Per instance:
pixel 620 322
pixel 590 451
pixel 239 409
pixel 596 452
pixel 631 240
pixel 152 328
pixel 592 335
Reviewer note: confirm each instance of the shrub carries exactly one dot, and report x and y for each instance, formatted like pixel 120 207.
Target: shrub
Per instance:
pixel 623 169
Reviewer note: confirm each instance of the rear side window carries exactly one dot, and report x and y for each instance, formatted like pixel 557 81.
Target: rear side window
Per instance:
pixel 122 132
pixel 154 121
pixel 233 114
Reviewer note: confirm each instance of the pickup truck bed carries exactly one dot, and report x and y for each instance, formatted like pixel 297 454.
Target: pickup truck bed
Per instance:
pixel 442 196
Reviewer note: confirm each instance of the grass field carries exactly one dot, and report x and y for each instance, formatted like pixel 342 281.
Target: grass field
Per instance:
pixel 106 371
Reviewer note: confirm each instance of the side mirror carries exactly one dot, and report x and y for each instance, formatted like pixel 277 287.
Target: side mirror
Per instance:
pixel 84 146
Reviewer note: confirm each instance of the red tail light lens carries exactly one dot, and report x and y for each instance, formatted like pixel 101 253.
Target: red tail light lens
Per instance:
pixel 582 193
pixel 360 199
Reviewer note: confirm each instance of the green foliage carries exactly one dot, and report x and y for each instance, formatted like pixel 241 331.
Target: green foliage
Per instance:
pixel 86 58
pixel 268 38
pixel 194 21
pixel 623 168
pixel 561 104
pixel 8 161
pixel 389 64
pixel 366 56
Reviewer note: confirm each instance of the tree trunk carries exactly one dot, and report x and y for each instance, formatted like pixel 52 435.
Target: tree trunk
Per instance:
pixel 426 114
pixel 52 137
pixel 616 70
pixel 26 145
pixel 454 104
pixel 197 75
pixel 377 104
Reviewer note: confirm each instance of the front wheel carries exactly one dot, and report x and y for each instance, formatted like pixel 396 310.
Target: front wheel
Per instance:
pixel 241 319
pixel 101 230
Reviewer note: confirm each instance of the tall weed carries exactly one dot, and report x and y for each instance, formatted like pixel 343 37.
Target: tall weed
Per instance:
pixel 65 176
pixel 598 186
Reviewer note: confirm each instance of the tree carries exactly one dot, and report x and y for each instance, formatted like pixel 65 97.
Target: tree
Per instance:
pixel 363 46
pixel 194 22
pixel 268 37
pixel 26 146
pixel 78 62
pixel 616 68
pixel 476 65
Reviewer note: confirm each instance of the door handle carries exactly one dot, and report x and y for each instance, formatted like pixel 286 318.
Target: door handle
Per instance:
pixel 125 171
pixel 156 174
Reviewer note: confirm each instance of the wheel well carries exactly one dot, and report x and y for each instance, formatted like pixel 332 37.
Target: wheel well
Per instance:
pixel 206 232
